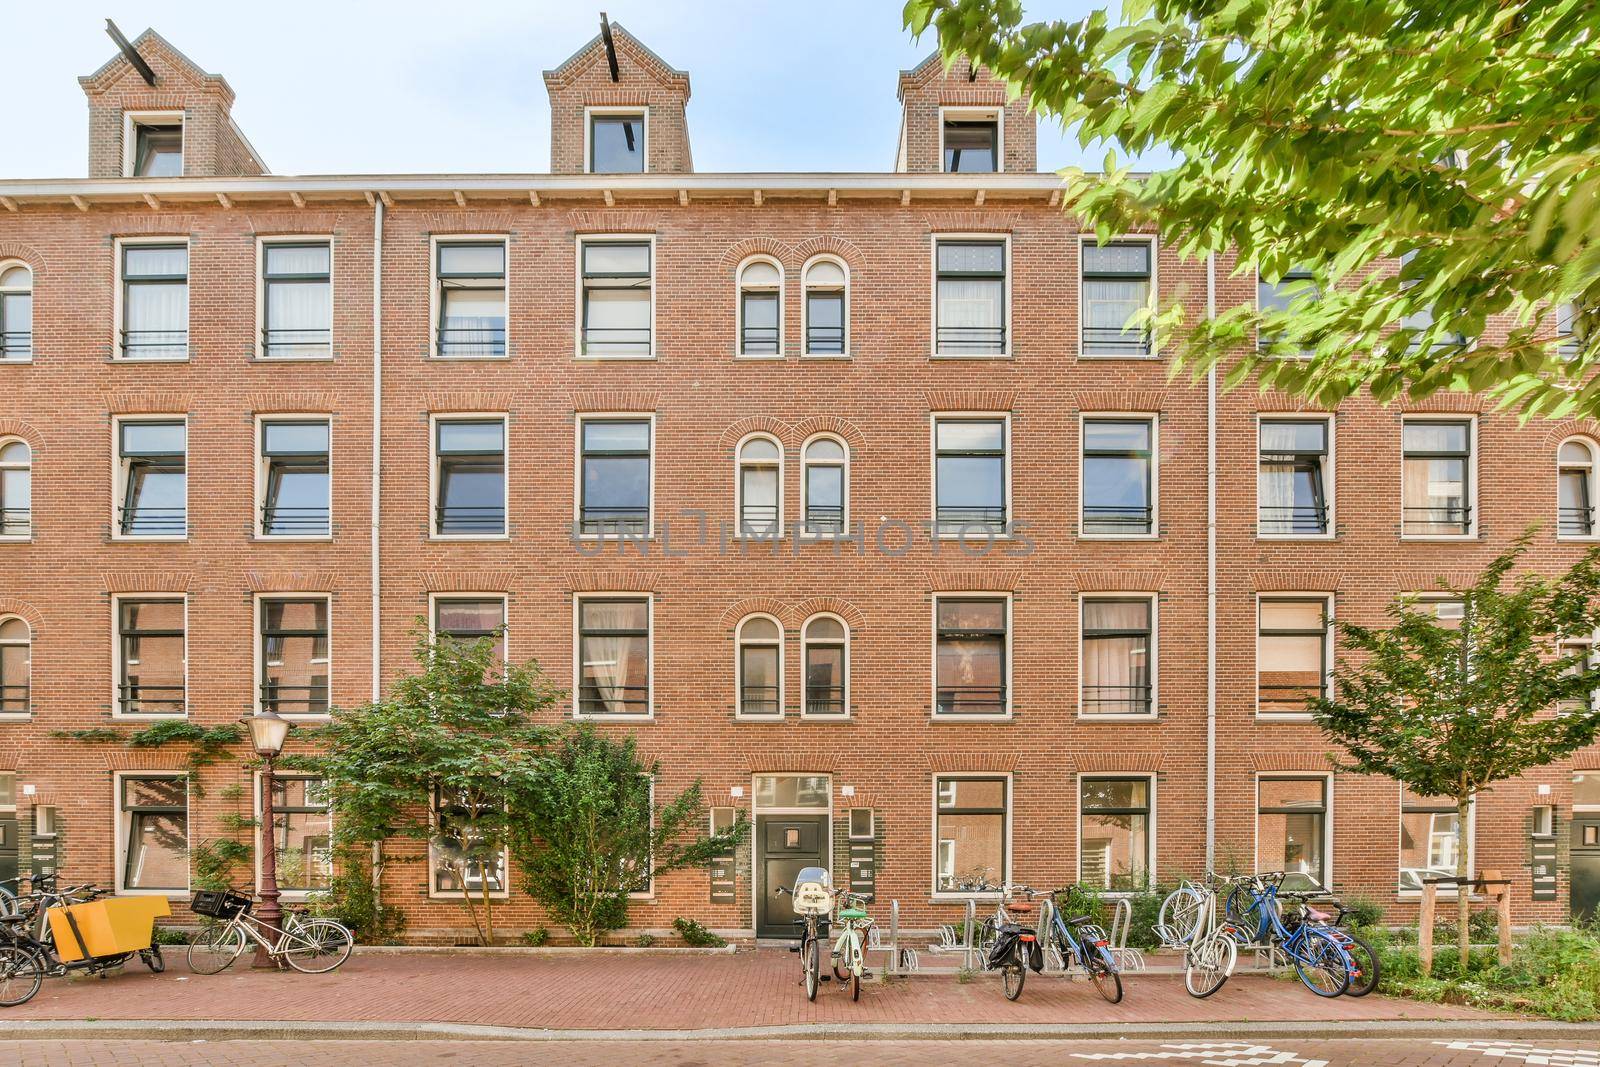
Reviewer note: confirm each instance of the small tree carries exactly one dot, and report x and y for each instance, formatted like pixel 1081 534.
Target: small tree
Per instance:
pixel 591 832
pixel 1449 711
pixel 460 730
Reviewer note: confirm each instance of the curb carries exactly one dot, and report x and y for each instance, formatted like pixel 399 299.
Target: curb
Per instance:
pixel 541 950
pixel 224 1030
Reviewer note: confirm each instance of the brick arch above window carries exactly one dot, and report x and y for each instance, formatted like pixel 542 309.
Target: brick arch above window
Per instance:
pixel 25 611
pixel 758 424
pixel 22 431
pixel 1568 428
pixel 737 253
pixel 844 429
pixel 759 605
pixel 829 245
pixel 832 605
pixel 26 255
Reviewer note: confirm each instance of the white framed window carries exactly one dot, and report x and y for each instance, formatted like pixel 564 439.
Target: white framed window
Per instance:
pixel 1117 831
pixel 468 488
pixel 971 295
pixel 1438 477
pixel 1294 652
pixel 302 831
pixel 152 298
pixel 1117 656
pixel 616 296
pixel 465 618
pixel 1294 477
pixel 458 861
pixel 294 301
pixel 294 477
pixel 826 307
pixel 1575 488
pixel 971 474
pixel 971 656
pixel 616 140
pixel 825 659
pixel 760 310
pixel 1296 289
pixel 614 476
pixel 613 655
pixel 16 489
pixel 971 834
pixel 151 477
pixel 152 144
pixel 972 140
pixel 293 659
pixel 151 655
pixel 470 287
pixel 16 667
pixel 1428 845
pixel 759 641
pixel 1116 282
pixel 825 486
pixel 152 833
pixel 1294 828
pixel 759 491
pixel 16 312
pixel 1119 478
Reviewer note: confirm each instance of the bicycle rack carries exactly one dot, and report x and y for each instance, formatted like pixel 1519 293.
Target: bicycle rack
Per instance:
pixel 1128 959
pixel 967 925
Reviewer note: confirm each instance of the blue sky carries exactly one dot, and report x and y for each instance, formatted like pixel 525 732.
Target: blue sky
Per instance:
pixel 402 87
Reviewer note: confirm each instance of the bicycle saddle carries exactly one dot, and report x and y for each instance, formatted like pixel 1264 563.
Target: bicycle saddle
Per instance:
pixel 1019 906
pixel 1317 915
pixel 852 913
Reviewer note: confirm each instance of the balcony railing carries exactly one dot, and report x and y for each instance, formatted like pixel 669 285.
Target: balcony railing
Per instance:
pixel 971 700
pixel 1114 341
pixel 153 522
pixel 294 699
pixel 825 340
pixel 1116 699
pixel 138 698
pixel 302 522
pixel 155 344
pixel 296 344
pixel 1575 522
pixel 824 700
pixel 759 700
pixel 972 340
pixel 614 522
pixel 759 340
pixel 459 519
pixel 478 341
pixel 16 522
pixel 15 700
pixel 961 520
pixel 597 699
pixel 16 344
pixel 1124 519
pixel 1437 519
pixel 616 340
pixel 1294 519
pixel 1287 697
pixel 825 518
pixel 758 520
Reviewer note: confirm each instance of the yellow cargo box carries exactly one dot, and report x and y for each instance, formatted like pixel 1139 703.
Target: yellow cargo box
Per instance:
pixel 107 927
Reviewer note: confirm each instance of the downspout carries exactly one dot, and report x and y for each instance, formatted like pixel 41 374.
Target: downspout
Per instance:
pixel 1211 579
pixel 377 482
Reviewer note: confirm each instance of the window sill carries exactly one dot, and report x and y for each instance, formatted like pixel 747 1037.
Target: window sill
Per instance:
pixel 20 362
pixel 434 357
pixel 834 357
pixel 962 898
pixel 447 538
pixel 16 716
pixel 291 539
pixel 170 894
pixel 153 539
pixel 590 357
pixel 759 357
pixel 145 362
pixel 1119 537
pixel 968 355
pixel 825 537
pixel 1282 716
pixel 1577 539
pixel 153 716
pixel 1435 538
pixel 1146 358
pixel 956 718
pixel 259 358
pixel 631 717
pixel 1294 537
pixel 493 895
pixel 840 717
pixel 292 717
pixel 16 539
pixel 976 537
pixel 618 538
pixel 1090 717
pixel 737 717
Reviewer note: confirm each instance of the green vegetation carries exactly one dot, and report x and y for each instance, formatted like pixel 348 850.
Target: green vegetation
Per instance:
pixel 536 938
pixel 695 935
pixel 353 900
pixel 1554 973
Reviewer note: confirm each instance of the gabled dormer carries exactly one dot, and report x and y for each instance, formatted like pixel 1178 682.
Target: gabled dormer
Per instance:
pixel 163 117
pixel 618 108
pixel 959 120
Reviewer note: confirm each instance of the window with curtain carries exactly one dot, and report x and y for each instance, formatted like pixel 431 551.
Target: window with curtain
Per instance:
pixel 302 831
pixel 970 656
pixel 471 276
pixel 153 467
pixel 1436 466
pixel 1114 833
pixel 617 293
pixel 16 488
pixel 151 656
pixel 616 143
pixel 294 478
pixel 1427 839
pixel 826 657
pixel 466 620
pixel 1574 484
pixel 1117 659
pixel 1118 477
pixel 760 667
pixel 760 309
pixel 155 301
pixel 1291 479
pixel 1292 830
pixel 614 479
pixel 470 483
pixel 155 832
pixel 970 290
pixel 969 475
pixel 294 655
pixel 16 667
pixel 970 834
pixel 16 312
pixel 1291 653
pixel 971 146
pixel 760 488
pixel 825 309
pixel 826 462
pixel 614 656
pixel 1116 288
pixel 297 291
pixel 1296 289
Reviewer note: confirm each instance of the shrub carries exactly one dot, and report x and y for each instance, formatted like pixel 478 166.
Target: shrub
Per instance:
pixel 535 938
pixel 1363 913
pixel 1554 973
pixel 353 900
pixel 695 935
pixel 645 941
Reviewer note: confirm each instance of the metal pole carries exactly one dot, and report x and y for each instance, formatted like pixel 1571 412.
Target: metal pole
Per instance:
pixel 972 911
pixel 269 912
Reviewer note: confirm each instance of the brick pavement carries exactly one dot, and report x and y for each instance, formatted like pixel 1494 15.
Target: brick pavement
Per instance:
pixel 613 992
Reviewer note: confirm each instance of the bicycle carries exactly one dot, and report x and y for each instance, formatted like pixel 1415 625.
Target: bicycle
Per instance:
pixel 812 899
pixel 1363 958
pixel 1090 949
pixel 1318 957
pixel 22 966
pixel 1210 949
pixel 311 946
pixel 848 956
pixel 1015 947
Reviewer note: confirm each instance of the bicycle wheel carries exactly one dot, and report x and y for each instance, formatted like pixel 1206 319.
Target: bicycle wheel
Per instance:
pixel 1322 964
pixel 1103 972
pixel 1180 913
pixel 214 948
pixel 1013 975
pixel 1208 965
pixel 21 975
pixel 317 946
pixel 1363 964
pixel 1244 912
pixel 8 901
pixel 153 959
pixel 811 953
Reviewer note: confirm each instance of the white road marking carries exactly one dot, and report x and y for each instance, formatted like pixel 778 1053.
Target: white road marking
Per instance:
pixel 1530 1054
pixel 1214 1054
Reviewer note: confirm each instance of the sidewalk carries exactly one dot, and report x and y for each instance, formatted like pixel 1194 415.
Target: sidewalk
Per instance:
pixel 745 991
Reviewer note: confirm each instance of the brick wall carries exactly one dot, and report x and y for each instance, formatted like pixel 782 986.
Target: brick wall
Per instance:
pixel 928 87
pixel 643 81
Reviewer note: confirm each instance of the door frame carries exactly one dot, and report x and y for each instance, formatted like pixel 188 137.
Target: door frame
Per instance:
pixel 756 811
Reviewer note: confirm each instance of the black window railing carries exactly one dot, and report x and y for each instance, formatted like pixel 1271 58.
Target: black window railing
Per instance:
pixel 1116 699
pixel 139 521
pixel 759 700
pixel 759 519
pixel 971 700
pixel 825 340
pixel 16 522
pixel 759 340
pixel 461 519
pixel 597 699
pixel 824 699
pixel 1115 341
pixel 294 699
pixel 1575 522
pixel 961 519
pixel 614 521
pixel 972 340
pixel 139 698
pixel 154 344
pixel 1116 518
pixel 1437 518
pixel 280 521
pixel 1287 696
pixel 479 341
pixel 16 344
pixel 15 699
pixel 292 344
pixel 825 518
pixel 617 340
pixel 1294 518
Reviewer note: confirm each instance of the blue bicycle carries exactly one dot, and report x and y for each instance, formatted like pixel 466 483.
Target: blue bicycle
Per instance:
pixel 1319 959
pixel 1079 940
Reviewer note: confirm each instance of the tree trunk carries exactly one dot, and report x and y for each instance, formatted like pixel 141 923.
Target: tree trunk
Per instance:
pixel 488 912
pixel 1463 889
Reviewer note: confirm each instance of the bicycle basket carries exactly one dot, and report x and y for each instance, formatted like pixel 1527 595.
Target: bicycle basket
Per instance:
pixel 223 905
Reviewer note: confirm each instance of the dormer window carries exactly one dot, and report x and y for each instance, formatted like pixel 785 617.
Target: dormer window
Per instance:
pixel 154 146
pixel 971 142
pixel 616 142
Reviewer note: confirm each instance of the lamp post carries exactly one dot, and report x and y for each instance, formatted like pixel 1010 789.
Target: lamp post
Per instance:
pixel 268 731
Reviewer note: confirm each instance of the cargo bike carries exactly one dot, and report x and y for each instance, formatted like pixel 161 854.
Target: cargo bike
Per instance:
pixel 51 934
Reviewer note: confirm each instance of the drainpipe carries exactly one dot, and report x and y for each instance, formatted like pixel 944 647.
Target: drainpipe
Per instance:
pixel 1211 579
pixel 377 481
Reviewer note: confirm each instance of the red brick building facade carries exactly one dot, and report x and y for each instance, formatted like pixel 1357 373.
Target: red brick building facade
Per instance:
pixel 1034 611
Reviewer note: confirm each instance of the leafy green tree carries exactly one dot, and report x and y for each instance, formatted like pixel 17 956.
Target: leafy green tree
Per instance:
pixel 592 833
pixel 462 730
pixel 1339 135
pixel 1449 710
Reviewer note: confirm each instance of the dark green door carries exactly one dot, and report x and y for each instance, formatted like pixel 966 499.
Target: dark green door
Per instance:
pixel 1585 866
pixel 784 844
pixel 8 849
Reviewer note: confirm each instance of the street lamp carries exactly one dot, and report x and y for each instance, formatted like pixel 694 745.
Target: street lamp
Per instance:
pixel 268 732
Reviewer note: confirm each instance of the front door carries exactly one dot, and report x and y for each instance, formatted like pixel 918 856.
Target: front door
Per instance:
pixel 784 844
pixel 1585 866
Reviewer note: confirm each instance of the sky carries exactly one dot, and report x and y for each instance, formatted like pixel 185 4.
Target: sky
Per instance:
pixel 345 87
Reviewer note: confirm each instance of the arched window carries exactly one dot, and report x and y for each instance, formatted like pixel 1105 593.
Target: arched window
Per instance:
pixel 760 666
pixel 1575 491
pixel 760 488
pixel 827 308
pixel 16 488
pixel 826 642
pixel 16 312
pixel 826 486
pixel 760 309
pixel 16 663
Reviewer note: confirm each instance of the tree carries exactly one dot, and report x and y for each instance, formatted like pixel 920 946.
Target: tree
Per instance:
pixel 459 734
pixel 1449 710
pixel 593 833
pixel 1339 136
